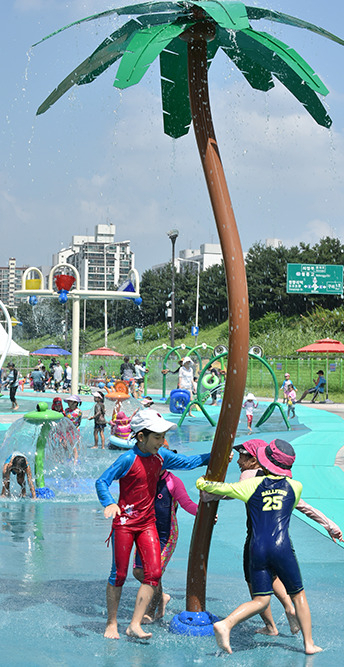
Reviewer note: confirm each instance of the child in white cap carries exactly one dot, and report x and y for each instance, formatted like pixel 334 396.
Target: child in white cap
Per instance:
pixel 138 471
pixel 250 404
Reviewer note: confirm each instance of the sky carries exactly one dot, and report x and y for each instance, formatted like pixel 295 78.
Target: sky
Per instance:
pixel 100 155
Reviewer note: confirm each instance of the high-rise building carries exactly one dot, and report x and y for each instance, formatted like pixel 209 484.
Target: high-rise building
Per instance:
pixel 102 262
pixel 10 280
pixel 206 255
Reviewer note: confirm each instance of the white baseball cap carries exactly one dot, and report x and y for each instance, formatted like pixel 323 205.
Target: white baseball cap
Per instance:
pixel 151 420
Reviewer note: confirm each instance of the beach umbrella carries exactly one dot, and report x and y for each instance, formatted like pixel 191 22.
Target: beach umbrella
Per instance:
pixel 104 352
pixel 324 346
pixel 51 351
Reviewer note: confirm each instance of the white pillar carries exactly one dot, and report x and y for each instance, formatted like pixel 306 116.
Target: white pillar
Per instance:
pixel 75 344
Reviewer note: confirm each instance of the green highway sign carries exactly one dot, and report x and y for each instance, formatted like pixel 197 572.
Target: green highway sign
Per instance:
pixel 314 279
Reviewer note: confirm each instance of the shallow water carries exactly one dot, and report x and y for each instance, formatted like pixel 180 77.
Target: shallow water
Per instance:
pixel 54 565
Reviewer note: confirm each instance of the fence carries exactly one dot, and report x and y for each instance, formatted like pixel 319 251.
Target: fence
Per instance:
pixel 302 371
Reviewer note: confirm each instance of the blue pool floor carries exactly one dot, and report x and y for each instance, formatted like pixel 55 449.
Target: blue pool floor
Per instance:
pixel 54 566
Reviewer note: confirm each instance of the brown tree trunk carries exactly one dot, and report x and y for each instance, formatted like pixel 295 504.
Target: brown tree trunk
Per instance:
pixel 237 309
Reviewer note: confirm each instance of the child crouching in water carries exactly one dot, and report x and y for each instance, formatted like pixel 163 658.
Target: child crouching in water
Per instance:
pixel 270 501
pixel 133 516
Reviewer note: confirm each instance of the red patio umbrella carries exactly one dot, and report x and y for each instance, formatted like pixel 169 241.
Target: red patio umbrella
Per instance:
pixel 104 352
pixel 324 346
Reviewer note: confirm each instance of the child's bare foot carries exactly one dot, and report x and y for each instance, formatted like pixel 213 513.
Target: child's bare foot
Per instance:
pixel 267 630
pixel 137 632
pixel 94 447
pixel 165 598
pixel 310 649
pixel 222 636
pixel 293 622
pixel 147 620
pixel 111 631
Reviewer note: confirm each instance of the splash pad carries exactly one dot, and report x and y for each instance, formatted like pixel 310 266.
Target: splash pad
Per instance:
pixel 52 446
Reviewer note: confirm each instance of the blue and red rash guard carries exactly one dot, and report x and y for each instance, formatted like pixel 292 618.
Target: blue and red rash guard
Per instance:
pixel 138 475
pixel 270 501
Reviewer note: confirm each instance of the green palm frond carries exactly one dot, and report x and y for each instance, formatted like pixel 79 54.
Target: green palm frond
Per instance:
pixel 227 14
pixel 155 31
pixel 174 86
pixel 259 64
pixel 110 50
pixel 130 10
pixel 142 50
pixel 290 56
pixel 257 13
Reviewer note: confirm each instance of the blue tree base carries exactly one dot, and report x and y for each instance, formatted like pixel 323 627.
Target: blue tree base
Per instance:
pixel 44 492
pixel 193 623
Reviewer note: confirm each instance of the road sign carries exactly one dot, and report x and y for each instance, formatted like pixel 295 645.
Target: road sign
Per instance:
pixel 314 279
pixel 194 331
pixel 138 334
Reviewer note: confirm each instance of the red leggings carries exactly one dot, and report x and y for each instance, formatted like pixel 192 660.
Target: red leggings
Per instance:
pixel 148 545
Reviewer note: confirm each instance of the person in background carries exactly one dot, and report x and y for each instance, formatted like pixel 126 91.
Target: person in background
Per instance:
pixel 319 388
pixel 58 375
pixel 140 372
pixel 67 378
pixel 186 378
pixel 57 405
pixel 73 411
pixel 291 400
pixel 250 404
pixel 18 465
pixel 120 424
pixel 99 419
pixel 12 382
pixel 38 378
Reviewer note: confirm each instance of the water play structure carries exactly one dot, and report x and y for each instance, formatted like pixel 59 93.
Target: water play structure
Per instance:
pixel 51 444
pixel 186 37
pixel 64 283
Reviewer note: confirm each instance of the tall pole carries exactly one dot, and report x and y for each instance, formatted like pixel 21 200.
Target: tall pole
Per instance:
pixel 75 344
pixel 197 298
pixel 105 301
pixel 194 261
pixel 238 343
pixel 173 235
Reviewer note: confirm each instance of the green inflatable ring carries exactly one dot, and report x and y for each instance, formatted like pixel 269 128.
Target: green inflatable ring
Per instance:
pixel 210 381
pixel 42 414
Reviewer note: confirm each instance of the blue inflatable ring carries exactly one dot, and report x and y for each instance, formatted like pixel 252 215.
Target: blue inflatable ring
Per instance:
pixel 210 381
pixel 193 623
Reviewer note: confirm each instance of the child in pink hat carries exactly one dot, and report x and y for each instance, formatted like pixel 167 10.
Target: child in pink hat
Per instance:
pixel 270 500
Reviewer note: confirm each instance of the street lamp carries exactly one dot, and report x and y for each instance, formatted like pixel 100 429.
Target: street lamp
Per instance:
pixel 173 235
pixel 194 261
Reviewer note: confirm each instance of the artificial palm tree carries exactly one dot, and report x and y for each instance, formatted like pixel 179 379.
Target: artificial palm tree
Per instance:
pixel 186 36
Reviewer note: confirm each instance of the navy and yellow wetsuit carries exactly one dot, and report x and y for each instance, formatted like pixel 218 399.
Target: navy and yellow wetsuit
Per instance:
pixel 270 501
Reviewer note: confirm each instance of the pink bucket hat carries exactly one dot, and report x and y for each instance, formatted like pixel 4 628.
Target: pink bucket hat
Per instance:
pixel 121 416
pixel 250 447
pixel 277 457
